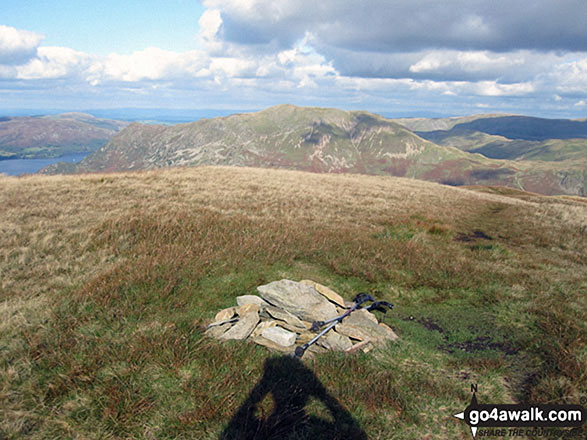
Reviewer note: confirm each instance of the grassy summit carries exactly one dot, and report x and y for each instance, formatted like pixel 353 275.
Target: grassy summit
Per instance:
pixel 108 281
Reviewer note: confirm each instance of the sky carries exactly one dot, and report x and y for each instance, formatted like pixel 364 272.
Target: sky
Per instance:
pixel 397 57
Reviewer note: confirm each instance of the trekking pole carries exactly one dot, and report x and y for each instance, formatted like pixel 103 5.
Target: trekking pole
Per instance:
pixel 316 325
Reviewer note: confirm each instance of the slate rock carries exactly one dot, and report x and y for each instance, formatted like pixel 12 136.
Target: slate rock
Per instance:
pixel 225 315
pixel 359 325
pixel 390 333
pixel 243 328
pixel 262 326
pixel 280 336
pixel 326 291
pixel 335 341
pixel 272 345
pixel 216 331
pixel 284 315
pixel 250 299
pixel 301 300
pixel 247 308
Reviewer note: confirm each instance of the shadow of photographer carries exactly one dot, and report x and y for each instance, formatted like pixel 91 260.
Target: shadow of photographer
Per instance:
pixel 293 387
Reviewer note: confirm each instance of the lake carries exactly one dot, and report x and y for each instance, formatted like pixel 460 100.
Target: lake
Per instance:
pixel 17 167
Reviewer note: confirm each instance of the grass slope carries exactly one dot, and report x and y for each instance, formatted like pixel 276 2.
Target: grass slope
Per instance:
pixel 107 282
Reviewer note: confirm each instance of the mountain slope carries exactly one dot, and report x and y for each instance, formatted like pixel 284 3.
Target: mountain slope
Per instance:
pixel 324 140
pixel 52 136
pixel 319 140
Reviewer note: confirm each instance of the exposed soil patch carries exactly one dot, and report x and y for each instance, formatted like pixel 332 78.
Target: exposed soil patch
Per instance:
pixel 428 323
pixel 473 236
pixel 480 343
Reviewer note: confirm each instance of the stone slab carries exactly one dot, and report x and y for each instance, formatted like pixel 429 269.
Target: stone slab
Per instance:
pixel 359 325
pixel 326 292
pixel 300 300
pixel 218 330
pixel 272 345
pixel 280 336
pixel 250 299
pixel 243 328
pixel 284 315
pixel 335 341
pixel 247 308
pixel 225 315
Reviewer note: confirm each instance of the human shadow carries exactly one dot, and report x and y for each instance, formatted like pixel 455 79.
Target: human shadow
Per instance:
pixel 293 387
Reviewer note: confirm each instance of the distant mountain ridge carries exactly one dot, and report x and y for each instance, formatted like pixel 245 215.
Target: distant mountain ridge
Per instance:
pixel 34 137
pixel 320 140
pixel 507 136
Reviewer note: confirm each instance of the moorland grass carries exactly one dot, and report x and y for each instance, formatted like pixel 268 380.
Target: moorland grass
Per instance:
pixel 109 280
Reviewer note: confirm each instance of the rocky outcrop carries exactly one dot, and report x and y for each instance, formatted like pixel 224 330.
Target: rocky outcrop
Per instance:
pixel 281 316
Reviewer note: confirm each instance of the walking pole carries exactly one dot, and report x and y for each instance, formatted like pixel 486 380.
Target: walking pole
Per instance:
pixel 316 325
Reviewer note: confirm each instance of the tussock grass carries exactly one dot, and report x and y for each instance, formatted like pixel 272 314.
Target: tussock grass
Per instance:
pixel 107 282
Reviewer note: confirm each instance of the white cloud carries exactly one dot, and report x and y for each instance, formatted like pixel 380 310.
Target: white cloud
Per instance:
pixel 210 23
pixel 407 25
pixel 493 88
pixel 17 46
pixel 340 53
pixel 569 78
pixel 54 62
pixel 149 64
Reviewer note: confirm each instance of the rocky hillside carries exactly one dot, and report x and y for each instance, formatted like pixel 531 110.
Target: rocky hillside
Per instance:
pixel 319 140
pixel 52 136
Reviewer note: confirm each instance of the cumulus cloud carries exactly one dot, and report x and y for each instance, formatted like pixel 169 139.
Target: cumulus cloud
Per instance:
pixel 17 46
pixel 407 25
pixel 502 45
pixel 54 62
pixel 343 52
pixel 149 64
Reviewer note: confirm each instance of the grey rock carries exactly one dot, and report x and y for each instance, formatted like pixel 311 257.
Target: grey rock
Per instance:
pixel 248 308
pixel 272 345
pixel 217 330
pixel 326 291
pixel 280 336
pixel 301 300
pixel 361 326
pixel 243 328
pixel 262 326
pixel 335 341
pixel 225 315
pixel 390 333
pixel 284 315
pixel 250 299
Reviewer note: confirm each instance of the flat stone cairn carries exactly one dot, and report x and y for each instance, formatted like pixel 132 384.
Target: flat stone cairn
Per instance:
pixel 280 318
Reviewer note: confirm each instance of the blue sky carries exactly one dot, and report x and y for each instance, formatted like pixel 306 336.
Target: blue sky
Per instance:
pixel 106 26
pixel 402 57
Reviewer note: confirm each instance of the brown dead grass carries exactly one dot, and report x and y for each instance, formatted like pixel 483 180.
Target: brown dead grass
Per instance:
pixel 137 245
pixel 48 223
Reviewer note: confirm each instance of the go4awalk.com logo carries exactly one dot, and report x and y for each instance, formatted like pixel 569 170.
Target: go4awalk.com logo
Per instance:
pixel 522 419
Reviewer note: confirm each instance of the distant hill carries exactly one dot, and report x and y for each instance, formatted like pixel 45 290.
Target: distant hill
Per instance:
pixel 507 136
pixel 509 126
pixel 440 124
pixel 527 128
pixel 34 137
pixel 319 140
